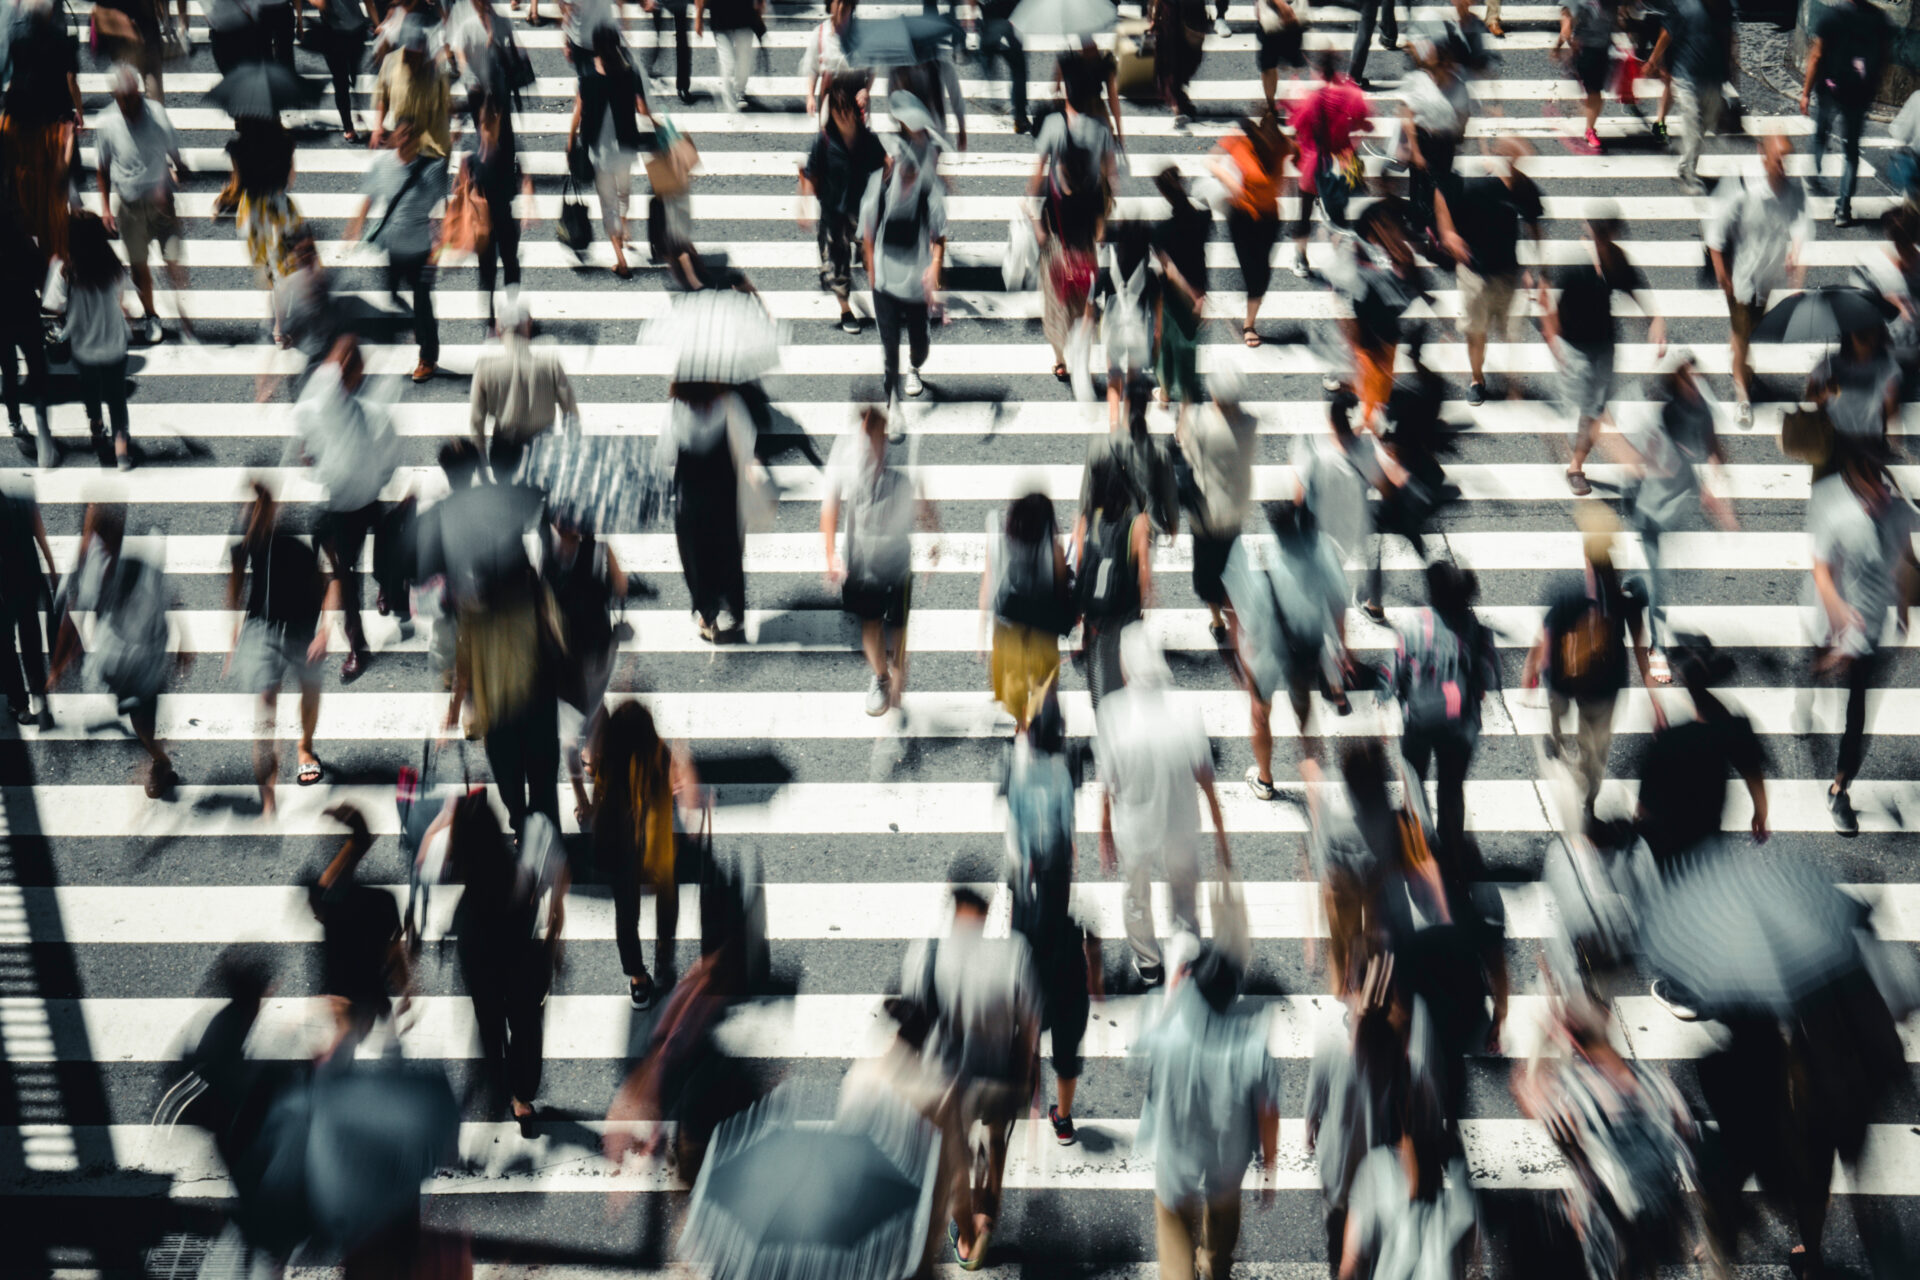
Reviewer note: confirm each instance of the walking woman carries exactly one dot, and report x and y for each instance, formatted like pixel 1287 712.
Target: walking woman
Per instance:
pixel 96 330
pixel 343 43
pixel 1024 594
pixel 708 445
pixel 262 152
pixel 493 167
pixel 585 580
pixel 607 107
pixel 637 779
pixel 1249 166
pixel 22 271
pixel 42 112
pixel 506 956
pixel 1072 178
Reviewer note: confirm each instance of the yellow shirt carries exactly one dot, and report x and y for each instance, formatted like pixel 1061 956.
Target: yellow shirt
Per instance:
pixel 423 95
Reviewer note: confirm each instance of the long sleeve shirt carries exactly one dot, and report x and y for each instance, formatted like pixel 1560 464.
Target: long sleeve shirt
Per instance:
pixel 519 388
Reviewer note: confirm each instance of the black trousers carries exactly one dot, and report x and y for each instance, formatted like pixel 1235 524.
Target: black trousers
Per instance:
pixel 509 1014
pixel 32 654
pixel 1861 674
pixel 629 885
pixel 502 251
pixel 1435 175
pixel 891 315
pixel 1370 11
pixel 524 753
pixel 415 270
pixel 1253 240
pixel 998 39
pixel 1452 754
pixel 28 343
pixel 342 535
pixel 706 527
pixel 663 13
pixel 344 53
pixel 276 32
pixel 235 46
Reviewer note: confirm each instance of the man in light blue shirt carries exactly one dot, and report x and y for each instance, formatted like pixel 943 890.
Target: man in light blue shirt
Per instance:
pixel 903 239
pixel 408 184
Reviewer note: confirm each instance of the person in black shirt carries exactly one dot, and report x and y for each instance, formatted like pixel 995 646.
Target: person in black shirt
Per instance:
pixel 42 108
pixel 24 594
pixel 493 166
pixel 1480 220
pixel 1088 77
pixel 1180 245
pixel 1683 779
pixel 363 955
pixel 1581 332
pixel 845 156
pixel 1844 64
pixel 998 39
pixel 278 633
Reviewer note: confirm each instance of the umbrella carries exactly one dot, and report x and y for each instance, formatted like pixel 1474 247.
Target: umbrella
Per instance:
pixel 780 1199
pixel 1820 315
pixel 1746 934
pixel 262 90
pixel 603 483
pixel 379 1129
pixel 1064 17
pixel 899 42
pixel 717 335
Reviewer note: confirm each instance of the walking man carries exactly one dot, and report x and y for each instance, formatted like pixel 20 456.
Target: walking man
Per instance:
pixel 139 170
pixel 1844 63
pixel 1767 219
pixel 903 241
pixel 409 184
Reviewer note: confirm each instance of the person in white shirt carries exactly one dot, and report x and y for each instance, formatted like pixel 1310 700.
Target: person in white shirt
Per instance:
pixel 1768 218
pixel 138 170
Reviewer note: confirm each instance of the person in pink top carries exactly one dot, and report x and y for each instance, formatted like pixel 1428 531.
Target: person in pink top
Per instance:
pixel 1324 123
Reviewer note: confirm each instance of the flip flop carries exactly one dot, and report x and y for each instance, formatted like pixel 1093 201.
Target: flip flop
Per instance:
pixel 310 771
pixel 1248 336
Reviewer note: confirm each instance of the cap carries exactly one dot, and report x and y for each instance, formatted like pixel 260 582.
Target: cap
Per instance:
pixel 909 111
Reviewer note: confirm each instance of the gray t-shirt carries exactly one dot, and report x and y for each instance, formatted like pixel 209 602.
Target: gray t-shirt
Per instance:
pixel 1337 483
pixel 1209 1077
pixel 1091 134
pixel 1861 549
pixel 877 511
pixel 1151 756
pixel 1670 486
pixel 1764 225
pixel 1858 406
pixel 901 258
pixel 408 230
pixel 136 154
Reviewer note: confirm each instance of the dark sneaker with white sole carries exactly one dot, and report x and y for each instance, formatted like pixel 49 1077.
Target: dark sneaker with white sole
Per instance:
pixel 1062 1126
pixel 1840 807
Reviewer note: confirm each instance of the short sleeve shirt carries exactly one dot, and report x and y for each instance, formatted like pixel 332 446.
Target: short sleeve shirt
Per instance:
pixel 284 583
pixel 42 60
pixel 1586 303
pixel 1620 604
pixel 409 226
pixel 1209 1076
pixel 1670 485
pixel 136 155
pixel 1489 216
pixel 1337 483
pixel 1683 781
pixel 1151 754
pixel 1089 132
pixel 1858 404
pixel 900 268
pixel 1861 549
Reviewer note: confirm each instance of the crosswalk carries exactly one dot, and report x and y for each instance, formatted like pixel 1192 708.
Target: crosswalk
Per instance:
pixel 113 906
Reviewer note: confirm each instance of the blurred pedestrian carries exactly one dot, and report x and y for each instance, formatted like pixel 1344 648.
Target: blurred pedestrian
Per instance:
pixel 1581 653
pixel 608 105
pixel 1479 222
pixel 1763 224
pixel 126 33
pixel 232 35
pixel 1180 32
pixel 344 430
pixel 880 507
pixel 1358 1096
pixel 674 11
pixel 139 168
pixel 1845 60
pixel 1281 34
pixel 1371 11
pixel 1039 775
pixel 265 216
pixel 736 25
pixel 409 184
pixel 41 118
pixel 586 581
pixel 1024 595
pixel 985 1000
pixel 580 22
pixel 309 316
pixel 280 595
pixel 1290 617
pixel 1861 526
pixel 507 659
pixel 1088 76
pixel 1582 333
pixel 414 86
pixel 1073 173
pixel 1250 167
pixel 845 157
pixel 25 591
pixel 1113 559
pixel 274 24
pixel 1212 1105
pixel 363 955
pixel 342 38
pixel 1219 441
pixel 1381 284
pixel 1444 665
pixel 708 445
pixel 823 63
pixel 23 271
pixel 493 169
pixel 1585 43
pixel 506 947
pixel 1153 754
pixel 520 389
pixel 96 333
pixel 1436 109
pixel 903 237
pixel 638 780
pixel 1860 386
pixel 1336 473
pixel 1325 120
pixel 1000 39
pixel 1180 303
pixel 1697 45
pixel 129 598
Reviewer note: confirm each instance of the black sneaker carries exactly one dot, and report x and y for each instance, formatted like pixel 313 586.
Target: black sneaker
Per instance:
pixel 642 991
pixel 1151 974
pixel 1845 820
pixel 1062 1126
pixel 1476 394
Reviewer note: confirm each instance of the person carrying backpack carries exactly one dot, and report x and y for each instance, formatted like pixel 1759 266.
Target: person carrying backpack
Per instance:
pixel 1291 617
pixel 1112 548
pixel 1039 775
pixel 1845 60
pixel 1581 653
pixel 1025 595
pixel 1219 441
pixel 585 580
pixel 1444 664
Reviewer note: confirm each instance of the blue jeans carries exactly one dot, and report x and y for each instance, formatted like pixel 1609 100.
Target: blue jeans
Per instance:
pixel 1853 120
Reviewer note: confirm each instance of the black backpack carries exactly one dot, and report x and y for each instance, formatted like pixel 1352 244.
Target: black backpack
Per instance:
pixel 1109 580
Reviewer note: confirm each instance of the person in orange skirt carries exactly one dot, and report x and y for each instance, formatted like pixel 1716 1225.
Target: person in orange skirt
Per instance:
pixel 42 117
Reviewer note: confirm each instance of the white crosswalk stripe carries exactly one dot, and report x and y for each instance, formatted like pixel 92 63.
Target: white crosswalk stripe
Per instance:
pixel 113 905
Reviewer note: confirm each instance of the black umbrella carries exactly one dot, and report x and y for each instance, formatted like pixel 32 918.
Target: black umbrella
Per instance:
pixel 1820 315
pixel 262 90
pixel 1746 934
pixel 782 1199
pixel 899 42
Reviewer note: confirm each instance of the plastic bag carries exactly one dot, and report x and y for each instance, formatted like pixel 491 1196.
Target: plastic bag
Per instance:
pixel 1023 253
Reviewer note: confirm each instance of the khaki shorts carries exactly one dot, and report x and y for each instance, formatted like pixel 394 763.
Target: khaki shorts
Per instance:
pixel 1744 316
pixel 144 223
pixel 1485 303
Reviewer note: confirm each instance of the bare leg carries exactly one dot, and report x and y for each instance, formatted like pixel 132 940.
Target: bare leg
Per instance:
pixel 266 761
pixel 897 686
pixel 309 719
pixel 1262 739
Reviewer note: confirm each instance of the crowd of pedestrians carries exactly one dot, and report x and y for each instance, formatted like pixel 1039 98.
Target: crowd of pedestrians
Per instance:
pixel 1294 587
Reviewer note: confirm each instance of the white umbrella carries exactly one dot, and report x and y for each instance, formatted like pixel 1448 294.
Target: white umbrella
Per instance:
pixel 717 335
pixel 1064 17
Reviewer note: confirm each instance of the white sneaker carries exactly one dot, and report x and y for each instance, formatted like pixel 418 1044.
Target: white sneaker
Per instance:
pixel 724 623
pixel 1743 414
pixel 877 697
pixel 911 383
pixel 1221 29
pixel 1301 270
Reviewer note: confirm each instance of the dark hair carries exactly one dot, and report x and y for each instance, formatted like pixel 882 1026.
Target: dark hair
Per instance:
pixel 1111 491
pixel 967 898
pixel 915 1019
pixel 262 514
pixel 1363 767
pixel 1269 143
pixel 1290 520
pixel 843 92
pixel 91 262
pixel 1340 411
pixel 1327 63
pixel 479 852
pixel 1047 730
pixel 612 51
pixel 1139 396
pixel 1173 189
pixel 1215 976
pixel 629 759
pixel 1380 1067
pixel 459 458
pixel 1030 520
pixel 1901 225
pixel 1451 589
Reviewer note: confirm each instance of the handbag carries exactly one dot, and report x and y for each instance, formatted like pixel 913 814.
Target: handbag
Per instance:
pixel 579 161
pixel 1232 934
pixel 670 165
pixel 469 220
pixel 573 228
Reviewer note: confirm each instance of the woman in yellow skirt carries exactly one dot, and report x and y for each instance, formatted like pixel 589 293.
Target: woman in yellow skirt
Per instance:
pixel 637 780
pixel 1024 592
